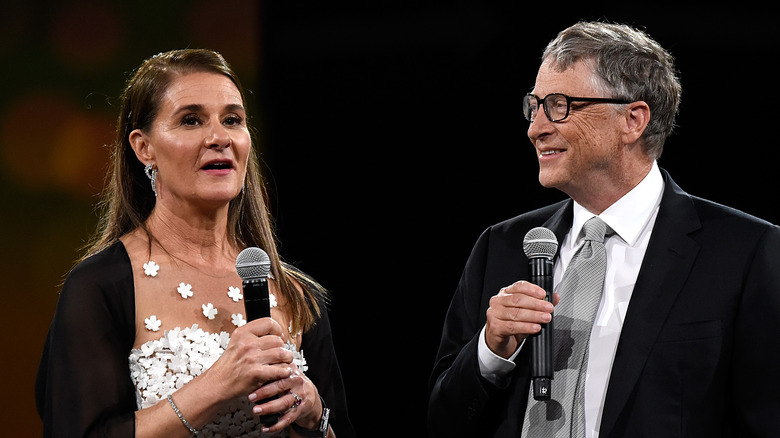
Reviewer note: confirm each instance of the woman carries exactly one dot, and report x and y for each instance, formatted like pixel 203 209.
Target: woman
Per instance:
pixel 149 337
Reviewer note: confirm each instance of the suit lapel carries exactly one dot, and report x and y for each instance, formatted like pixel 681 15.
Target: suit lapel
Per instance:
pixel 667 262
pixel 560 222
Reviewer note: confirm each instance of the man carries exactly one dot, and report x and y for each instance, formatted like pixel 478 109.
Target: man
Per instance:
pixel 684 341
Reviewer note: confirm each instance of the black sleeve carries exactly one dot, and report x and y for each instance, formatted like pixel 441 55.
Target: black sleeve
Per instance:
pixel 457 389
pixel 83 387
pixel 462 403
pixel 324 372
pixel 757 344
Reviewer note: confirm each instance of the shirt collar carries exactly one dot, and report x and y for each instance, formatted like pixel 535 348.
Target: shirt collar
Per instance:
pixel 630 214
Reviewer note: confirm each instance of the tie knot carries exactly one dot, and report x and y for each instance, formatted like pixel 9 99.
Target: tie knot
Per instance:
pixel 596 229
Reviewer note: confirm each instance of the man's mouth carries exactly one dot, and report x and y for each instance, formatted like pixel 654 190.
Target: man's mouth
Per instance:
pixel 551 152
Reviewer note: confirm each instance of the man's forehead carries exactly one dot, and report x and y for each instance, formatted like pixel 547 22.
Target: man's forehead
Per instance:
pixel 576 80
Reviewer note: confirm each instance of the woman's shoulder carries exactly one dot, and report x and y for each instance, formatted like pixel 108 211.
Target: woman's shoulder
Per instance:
pixel 112 254
pixel 110 265
pixel 100 287
pixel 305 284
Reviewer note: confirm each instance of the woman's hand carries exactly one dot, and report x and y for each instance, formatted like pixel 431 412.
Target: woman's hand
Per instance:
pixel 298 401
pixel 254 357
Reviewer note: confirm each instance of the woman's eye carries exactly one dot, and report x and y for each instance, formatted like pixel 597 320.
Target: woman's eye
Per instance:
pixel 190 120
pixel 233 121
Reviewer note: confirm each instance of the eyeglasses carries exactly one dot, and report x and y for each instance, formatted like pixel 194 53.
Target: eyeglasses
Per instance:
pixel 557 105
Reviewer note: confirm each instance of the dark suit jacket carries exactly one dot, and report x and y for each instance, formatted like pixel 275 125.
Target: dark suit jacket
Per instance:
pixel 699 352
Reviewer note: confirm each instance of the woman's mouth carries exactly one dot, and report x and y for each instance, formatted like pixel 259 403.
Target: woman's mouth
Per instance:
pixel 218 167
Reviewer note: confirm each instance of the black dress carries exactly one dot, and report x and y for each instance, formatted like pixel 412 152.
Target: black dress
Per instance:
pixel 84 387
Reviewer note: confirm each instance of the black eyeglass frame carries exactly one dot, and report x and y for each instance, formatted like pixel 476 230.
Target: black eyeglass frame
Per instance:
pixel 569 100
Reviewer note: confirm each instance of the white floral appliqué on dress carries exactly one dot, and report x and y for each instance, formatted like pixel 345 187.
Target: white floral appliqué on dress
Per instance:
pixel 162 366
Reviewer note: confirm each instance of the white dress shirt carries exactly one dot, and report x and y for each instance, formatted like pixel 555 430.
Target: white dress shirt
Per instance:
pixel 632 217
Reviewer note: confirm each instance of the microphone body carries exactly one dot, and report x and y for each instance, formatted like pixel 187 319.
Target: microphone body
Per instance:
pixel 541 343
pixel 253 266
pixel 256 301
pixel 540 246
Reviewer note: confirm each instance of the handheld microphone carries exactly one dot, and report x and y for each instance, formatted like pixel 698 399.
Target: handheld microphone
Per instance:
pixel 540 246
pixel 253 266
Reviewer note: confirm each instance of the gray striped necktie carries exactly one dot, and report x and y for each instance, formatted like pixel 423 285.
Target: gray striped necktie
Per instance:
pixel 580 290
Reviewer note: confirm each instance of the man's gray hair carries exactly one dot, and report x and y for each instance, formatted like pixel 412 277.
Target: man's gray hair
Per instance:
pixel 628 64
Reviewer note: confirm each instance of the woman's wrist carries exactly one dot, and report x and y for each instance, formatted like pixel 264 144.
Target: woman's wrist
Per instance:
pixel 312 421
pixel 315 425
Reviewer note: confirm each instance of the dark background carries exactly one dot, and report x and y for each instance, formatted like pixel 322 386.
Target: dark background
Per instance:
pixel 391 135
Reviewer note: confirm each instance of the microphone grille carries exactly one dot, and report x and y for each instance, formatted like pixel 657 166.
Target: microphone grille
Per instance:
pixel 540 242
pixel 253 262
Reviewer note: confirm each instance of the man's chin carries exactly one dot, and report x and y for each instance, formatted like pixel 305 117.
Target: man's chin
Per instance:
pixel 549 179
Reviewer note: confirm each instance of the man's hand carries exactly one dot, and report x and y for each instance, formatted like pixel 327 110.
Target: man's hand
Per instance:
pixel 515 313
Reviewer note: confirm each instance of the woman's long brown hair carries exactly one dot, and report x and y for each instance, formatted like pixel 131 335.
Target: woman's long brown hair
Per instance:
pixel 127 200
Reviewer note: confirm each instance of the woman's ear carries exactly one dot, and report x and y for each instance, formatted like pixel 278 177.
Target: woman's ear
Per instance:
pixel 140 144
pixel 637 117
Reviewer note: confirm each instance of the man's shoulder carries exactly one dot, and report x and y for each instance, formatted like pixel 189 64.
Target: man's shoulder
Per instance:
pixel 531 219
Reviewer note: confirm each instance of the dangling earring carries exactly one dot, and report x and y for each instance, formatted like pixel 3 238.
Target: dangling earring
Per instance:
pixel 151 173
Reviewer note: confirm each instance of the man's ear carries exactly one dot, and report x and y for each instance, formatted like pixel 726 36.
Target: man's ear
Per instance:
pixel 141 146
pixel 637 117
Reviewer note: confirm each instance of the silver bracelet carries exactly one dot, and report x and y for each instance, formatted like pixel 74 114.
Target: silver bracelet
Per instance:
pixel 181 417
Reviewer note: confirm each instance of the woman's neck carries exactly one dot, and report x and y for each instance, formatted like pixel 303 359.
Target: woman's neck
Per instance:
pixel 196 239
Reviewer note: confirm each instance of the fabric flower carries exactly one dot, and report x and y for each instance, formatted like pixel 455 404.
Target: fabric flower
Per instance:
pixel 151 268
pixel 194 334
pixel 289 329
pixel 298 358
pixel 152 323
pixel 160 367
pixel 148 349
pixel 238 320
pixel 224 339
pixel 185 290
pixel 271 301
pixel 235 293
pixel 209 311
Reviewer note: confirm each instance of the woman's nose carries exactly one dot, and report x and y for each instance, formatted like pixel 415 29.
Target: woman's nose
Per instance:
pixel 217 138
